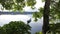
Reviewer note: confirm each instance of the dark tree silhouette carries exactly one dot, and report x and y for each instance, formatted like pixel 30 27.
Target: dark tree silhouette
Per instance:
pixel 45 27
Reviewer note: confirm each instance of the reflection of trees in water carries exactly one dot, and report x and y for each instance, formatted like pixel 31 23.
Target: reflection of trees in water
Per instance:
pixel 15 27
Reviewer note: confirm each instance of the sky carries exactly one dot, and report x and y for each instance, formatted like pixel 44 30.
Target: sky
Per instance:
pixel 36 26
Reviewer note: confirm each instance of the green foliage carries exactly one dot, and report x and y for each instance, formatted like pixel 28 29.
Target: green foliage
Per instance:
pixel 54 28
pixel 39 32
pixel 39 14
pixel 7 4
pixel 16 5
pixel 55 10
pixel 31 2
pixel 15 27
pixel 43 0
pixel 12 4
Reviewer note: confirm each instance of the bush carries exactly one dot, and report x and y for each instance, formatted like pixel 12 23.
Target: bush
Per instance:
pixel 15 27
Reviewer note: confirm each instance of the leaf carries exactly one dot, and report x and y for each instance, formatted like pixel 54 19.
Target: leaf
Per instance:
pixel 31 2
pixel 43 0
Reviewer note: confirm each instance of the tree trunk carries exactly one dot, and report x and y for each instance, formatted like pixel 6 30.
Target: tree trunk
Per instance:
pixel 45 27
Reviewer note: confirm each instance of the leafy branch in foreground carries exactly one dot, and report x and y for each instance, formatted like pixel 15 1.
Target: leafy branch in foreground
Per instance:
pixel 16 5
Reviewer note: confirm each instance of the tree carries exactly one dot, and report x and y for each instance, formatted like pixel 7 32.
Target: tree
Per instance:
pixel 46 16
pixel 46 11
pixel 15 27
pixel 16 5
pixel 29 3
pixel 54 14
pixel 54 11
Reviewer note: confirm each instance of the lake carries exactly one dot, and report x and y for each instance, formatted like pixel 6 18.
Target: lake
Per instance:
pixel 36 26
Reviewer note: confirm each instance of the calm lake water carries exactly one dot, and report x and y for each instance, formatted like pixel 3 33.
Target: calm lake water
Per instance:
pixel 36 26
